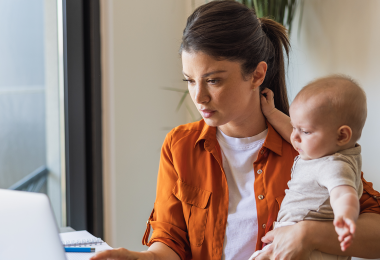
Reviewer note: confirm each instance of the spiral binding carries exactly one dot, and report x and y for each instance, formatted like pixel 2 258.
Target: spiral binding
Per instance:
pixel 83 242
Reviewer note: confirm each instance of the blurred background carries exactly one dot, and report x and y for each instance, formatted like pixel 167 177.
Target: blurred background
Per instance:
pixel 84 105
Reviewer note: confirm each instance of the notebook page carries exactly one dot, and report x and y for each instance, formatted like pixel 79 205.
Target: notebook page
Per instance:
pixel 80 235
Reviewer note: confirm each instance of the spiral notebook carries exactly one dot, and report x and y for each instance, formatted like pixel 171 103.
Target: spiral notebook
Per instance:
pixel 82 239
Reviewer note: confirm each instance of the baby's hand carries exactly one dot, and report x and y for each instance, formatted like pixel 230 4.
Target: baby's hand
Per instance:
pixel 345 227
pixel 267 102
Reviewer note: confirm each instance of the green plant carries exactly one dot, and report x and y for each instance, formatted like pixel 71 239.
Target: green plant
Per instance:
pixel 281 11
pixel 182 100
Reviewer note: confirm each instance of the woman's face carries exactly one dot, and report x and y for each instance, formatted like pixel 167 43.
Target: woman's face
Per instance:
pixel 218 89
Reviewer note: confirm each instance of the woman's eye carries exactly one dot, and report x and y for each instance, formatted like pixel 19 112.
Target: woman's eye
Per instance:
pixel 189 81
pixel 213 81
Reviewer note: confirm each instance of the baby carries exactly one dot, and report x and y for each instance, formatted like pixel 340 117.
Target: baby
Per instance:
pixel 327 117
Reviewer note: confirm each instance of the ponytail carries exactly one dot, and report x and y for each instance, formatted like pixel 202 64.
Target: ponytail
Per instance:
pixel 275 77
pixel 230 30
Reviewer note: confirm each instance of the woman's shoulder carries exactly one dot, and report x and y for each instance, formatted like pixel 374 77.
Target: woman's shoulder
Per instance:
pixel 190 132
pixel 277 144
pixel 193 126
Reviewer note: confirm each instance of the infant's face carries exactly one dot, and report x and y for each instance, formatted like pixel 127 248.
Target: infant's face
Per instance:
pixel 313 136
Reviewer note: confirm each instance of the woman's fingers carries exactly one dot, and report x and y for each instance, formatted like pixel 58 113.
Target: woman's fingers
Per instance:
pixel 265 255
pixel 114 254
pixel 268 238
pixel 291 242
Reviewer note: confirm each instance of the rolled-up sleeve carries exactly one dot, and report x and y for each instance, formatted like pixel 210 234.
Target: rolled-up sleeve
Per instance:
pixel 370 200
pixel 167 221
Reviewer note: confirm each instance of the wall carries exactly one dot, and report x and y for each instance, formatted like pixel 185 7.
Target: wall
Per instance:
pixel 140 42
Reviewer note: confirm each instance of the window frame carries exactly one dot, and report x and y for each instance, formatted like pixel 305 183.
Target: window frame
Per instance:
pixel 82 99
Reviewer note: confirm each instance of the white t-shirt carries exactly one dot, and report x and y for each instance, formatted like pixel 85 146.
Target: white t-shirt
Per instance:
pixel 238 156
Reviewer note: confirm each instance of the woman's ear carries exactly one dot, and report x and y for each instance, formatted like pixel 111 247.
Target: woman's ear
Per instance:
pixel 259 74
pixel 344 135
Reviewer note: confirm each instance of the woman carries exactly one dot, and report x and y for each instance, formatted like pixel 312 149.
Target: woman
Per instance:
pixel 211 203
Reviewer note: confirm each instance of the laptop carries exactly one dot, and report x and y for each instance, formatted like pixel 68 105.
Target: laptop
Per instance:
pixel 27 227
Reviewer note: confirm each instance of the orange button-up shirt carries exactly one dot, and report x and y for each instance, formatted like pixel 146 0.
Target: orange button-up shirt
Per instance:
pixel 191 207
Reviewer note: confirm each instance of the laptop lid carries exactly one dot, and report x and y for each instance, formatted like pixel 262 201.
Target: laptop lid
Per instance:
pixel 27 227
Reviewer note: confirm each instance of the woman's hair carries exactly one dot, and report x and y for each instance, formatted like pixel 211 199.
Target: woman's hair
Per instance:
pixel 229 30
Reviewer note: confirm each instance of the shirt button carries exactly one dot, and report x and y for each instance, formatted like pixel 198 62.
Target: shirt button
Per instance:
pixel 259 171
pixel 261 197
pixel 262 151
pixel 264 226
pixel 375 197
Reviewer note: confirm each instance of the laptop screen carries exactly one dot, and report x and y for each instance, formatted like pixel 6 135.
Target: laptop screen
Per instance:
pixel 27 227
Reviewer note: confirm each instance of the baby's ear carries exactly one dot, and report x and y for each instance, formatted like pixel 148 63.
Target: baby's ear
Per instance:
pixel 344 135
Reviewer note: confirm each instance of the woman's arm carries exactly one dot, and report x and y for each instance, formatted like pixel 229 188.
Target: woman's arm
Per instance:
pixel 299 240
pixel 157 251
pixel 365 244
pixel 276 118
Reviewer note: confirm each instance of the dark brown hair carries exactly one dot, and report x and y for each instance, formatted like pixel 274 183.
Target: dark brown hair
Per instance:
pixel 229 30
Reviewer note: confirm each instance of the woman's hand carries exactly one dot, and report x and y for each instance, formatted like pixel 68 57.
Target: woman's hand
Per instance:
pixel 120 254
pixel 299 240
pixel 267 102
pixel 157 251
pixel 290 242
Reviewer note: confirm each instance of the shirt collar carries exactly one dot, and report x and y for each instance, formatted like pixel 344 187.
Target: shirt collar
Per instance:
pixel 273 141
pixel 352 151
pixel 208 134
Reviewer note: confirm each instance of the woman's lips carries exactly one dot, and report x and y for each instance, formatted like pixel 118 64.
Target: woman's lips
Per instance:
pixel 207 113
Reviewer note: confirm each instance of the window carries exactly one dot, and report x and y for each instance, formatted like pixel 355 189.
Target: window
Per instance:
pixel 31 154
pixel 50 139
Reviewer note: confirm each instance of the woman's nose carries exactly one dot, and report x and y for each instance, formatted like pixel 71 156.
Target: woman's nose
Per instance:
pixel 201 94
